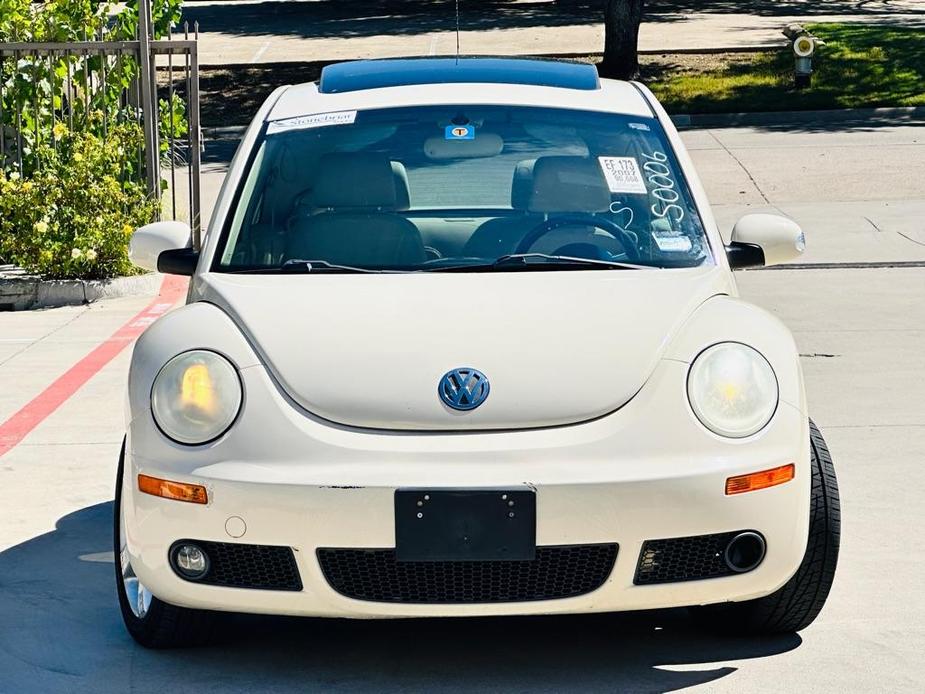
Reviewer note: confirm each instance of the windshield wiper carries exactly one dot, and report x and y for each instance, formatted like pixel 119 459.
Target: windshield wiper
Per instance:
pixel 548 259
pixel 542 261
pixel 297 265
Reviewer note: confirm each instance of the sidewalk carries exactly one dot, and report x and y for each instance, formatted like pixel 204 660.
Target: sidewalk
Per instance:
pixel 68 454
pixel 822 176
pixel 234 32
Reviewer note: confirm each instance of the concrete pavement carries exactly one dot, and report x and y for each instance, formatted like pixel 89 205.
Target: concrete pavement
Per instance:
pixel 857 189
pixel 860 332
pixel 270 31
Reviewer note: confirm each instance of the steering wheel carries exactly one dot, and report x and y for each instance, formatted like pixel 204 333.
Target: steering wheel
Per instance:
pixel 626 238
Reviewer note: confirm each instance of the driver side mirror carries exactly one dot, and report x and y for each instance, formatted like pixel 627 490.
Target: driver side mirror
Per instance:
pixel 759 240
pixel 164 247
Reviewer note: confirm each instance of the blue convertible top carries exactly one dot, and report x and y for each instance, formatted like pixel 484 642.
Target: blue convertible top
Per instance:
pixel 373 74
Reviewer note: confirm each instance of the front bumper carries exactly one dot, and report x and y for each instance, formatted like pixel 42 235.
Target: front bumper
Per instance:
pixel 625 478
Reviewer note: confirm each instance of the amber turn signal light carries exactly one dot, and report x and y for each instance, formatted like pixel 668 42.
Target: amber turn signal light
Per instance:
pixel 760 480
pixel 179 491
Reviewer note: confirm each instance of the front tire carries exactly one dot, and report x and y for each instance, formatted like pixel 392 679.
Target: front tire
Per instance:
pixel 798 602
pixel 151 622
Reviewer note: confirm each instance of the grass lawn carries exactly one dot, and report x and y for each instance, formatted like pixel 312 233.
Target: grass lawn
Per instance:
pixel 860 66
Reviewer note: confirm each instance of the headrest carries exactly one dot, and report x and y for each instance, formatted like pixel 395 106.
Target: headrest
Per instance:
pixel 289 167
pixel 304 201
pixel 522 185
pixel 354 180
pixel 568 184
pixel 402 195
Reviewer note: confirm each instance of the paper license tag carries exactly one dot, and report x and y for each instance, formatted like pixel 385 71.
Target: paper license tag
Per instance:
pixel 622 174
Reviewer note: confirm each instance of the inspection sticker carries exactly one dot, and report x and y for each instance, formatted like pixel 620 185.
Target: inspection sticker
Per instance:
pixel 672 241
pixel 622 174
pixel 315 120
pixel 460 132
pixel 639 126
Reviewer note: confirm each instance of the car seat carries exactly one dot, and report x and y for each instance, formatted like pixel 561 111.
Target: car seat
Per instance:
pixel 355 198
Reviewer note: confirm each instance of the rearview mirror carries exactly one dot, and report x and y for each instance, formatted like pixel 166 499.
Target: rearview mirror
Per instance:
pixel 163 246
pixel 764 239
pixel 486 145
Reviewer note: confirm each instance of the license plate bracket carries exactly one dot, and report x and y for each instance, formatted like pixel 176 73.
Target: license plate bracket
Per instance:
pixel 465 524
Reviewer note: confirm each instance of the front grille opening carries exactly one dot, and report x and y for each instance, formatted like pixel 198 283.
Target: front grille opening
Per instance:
pixel 259 567
pixel 557 572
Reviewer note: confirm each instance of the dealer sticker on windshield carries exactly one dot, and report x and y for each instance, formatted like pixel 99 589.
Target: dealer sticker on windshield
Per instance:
pixel 622 174
pixel 315 120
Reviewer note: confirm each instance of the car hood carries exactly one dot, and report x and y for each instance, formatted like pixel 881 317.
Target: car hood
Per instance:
pixel 370 350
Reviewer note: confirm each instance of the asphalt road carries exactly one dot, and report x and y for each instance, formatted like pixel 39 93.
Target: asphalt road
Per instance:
pixel 861 331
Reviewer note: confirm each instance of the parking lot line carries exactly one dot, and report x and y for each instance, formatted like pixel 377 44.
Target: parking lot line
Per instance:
pixel 22 422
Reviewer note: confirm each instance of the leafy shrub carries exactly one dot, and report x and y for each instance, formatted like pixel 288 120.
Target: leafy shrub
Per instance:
pixel 74 215
pixel 73 20
pixel 69 200
pixel 37 91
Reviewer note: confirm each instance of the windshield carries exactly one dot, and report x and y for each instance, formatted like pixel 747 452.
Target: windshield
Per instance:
pixel 462 188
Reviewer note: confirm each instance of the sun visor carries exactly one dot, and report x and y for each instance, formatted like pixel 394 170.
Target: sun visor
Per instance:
pixel 557 136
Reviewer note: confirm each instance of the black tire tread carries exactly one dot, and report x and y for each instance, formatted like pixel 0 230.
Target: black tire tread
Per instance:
pixel 164 626
pixel 798 602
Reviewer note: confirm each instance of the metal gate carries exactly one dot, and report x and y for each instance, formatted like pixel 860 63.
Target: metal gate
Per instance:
pixel 93 83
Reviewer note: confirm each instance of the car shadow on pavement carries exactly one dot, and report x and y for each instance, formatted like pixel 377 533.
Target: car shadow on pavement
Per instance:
pixel 60 630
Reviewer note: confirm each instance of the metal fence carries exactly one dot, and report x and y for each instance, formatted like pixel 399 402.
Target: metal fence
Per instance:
pixel 92 84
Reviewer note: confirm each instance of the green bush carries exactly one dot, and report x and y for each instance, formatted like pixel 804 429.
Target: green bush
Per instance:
pixel 38 91
pixel 72 20
pixel 70 200
pixel 73 216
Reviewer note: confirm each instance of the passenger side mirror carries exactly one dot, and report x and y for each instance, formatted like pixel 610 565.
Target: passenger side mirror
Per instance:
pixel 764 239
pixel 163 246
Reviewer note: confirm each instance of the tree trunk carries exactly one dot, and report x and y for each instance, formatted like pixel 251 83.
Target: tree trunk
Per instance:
pixel 621 38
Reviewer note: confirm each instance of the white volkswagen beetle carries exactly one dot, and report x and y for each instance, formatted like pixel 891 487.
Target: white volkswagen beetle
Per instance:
pixel 463 339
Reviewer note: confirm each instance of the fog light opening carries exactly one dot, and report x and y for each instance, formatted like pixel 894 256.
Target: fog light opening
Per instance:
pixel 745 552
pixel 190 561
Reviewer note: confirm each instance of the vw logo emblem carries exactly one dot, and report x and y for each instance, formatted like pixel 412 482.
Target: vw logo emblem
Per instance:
pixel 463 389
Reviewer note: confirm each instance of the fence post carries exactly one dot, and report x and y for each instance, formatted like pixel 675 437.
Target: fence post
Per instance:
pixel 149 112
pixel 196 143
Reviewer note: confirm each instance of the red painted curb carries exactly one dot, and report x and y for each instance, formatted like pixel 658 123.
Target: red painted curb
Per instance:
pixel 21 423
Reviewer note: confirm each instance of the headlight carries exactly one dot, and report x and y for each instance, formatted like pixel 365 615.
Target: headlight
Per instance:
pixel 196 397
pixel 732 389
